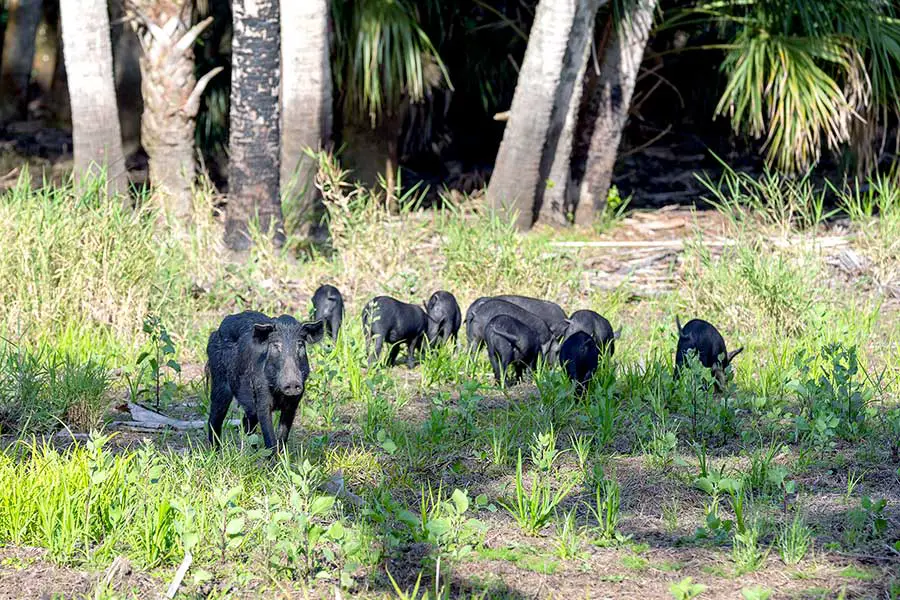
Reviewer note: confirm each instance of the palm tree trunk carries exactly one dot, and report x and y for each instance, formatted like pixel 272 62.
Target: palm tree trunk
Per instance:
pixel 612 98
pixel 254 144
pixel 95 119
pixel 171 99
pixel 540 104
pixel 561 191
pixel 18 54
pixel 306 102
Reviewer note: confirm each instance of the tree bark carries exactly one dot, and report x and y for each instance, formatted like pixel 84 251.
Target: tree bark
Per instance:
pixel 306 101
pixel 171 99
pixel 612 96
pixel 254 143
pixel 540 105
pixel 18 56
pixel 95 120
pixel 561 192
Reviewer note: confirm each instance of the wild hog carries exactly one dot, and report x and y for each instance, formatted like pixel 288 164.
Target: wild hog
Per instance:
pixel 592 324
pixel 509 341
pixel 386 320
pixel 704 339
pixel 328 307
pixel 475 326
pixel 579 355
pixel 444 317
pixel 261 362
pixel 552 314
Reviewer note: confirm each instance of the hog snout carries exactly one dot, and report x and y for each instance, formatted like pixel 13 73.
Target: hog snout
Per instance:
pixel 291 388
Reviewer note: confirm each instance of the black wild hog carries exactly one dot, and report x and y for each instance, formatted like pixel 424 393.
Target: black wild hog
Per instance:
pixel 261 362
pixel 707 342
pixel 386 320
pixel 552 314
pixel 592 324
pixel 328 307
pixel 444 317
pixel 509 341
pixel 579 354
pixel 475 327
pixel 473 310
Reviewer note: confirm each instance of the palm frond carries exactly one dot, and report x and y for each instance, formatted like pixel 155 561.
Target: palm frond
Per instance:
pixel 383 56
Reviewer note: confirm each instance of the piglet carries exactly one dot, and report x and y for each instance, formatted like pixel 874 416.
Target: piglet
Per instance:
pixel 580 355
pixel 509 341
pixel 705 340
pixel 387 320
pixel 328 306
pixel 444 317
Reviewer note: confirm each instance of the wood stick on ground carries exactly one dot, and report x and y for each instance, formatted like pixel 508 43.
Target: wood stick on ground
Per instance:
pixel 179 575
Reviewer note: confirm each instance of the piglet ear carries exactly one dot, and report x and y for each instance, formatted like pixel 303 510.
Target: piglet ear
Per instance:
pixel 730 356
pixel 312 331
pixel 261 331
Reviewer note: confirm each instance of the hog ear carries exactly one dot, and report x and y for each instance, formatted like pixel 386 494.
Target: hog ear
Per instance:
pixel 261 331
pixel 678 325
pixel 313 331
pixel 730 356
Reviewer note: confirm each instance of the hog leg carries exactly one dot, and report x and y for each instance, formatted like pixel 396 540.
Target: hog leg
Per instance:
pixel 392 354
pixel 249 422
pixel 413 348
pixel 495 365
pixel 285 422
pixel 379 346
pixel 219 400
pixel 264 404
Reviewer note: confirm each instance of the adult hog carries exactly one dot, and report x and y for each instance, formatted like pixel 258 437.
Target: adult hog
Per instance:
pixel 387 320
pixel 493 307
pixel 444 317
pixel 262 363
pixel 328 307
pixel 579 354
pixel 510 341
pixel 705 340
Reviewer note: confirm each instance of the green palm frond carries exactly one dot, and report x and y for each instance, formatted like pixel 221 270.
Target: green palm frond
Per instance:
pixel 382 57
pixel 778 90
pixel 804 74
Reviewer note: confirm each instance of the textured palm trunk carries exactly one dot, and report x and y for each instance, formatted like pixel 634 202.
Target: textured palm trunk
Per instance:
pixel 612 98
pixel 306 102
pixel 540 105
pixel 254 146
pixel 562 191
pixel 18 56
pixel 95 120
pixel 171 96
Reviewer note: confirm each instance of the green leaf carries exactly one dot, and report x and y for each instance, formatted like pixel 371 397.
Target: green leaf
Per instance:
pixel 335 531
pixel 321 505
pixel 460 500
pixel 408 518
pixel 231 494
pixel 235 526
pixel 202 576
pixel 438 527
pixel 190 540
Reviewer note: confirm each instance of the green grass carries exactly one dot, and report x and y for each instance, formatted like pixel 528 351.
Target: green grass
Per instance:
pixel 449 468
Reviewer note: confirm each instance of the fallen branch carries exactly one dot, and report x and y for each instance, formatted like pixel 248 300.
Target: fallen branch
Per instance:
pixel 179 575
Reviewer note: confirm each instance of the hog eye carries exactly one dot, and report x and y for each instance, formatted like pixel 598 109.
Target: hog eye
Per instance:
pixel 276 346
pixel 301 348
